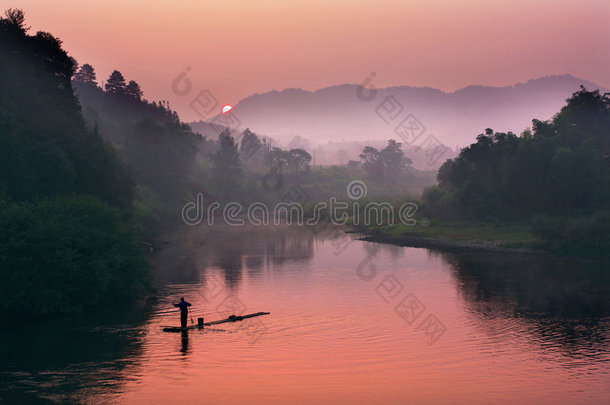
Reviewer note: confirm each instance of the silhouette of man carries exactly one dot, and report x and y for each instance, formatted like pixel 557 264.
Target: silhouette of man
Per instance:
pixel 184 311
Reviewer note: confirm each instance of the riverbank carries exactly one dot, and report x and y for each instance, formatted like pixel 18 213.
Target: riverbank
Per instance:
pixel 514 238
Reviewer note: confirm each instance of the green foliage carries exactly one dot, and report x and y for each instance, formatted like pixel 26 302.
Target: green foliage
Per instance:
pixel 63 254
pixel 321 183
pixel 269 173
pixel 558 173
pixel 387 164
pixel 227 174
pixel 298 159
pixel 159 151
pixel 149 213
pixel 160 156
pixel 575 235
pixel 45 148
pixel 65 236
pixel 250 143
pixel 276 158
pixel 562 168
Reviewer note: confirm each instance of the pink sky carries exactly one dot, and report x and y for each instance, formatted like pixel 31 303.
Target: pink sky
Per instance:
pixel 239 47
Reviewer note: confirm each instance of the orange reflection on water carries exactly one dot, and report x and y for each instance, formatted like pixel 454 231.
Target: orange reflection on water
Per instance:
pixel 332 337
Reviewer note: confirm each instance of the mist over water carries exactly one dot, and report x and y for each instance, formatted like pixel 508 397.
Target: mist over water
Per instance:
pixel 512 324
pixel 136 172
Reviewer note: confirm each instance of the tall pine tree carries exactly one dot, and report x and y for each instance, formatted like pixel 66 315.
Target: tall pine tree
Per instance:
pixel 85 75
pixel 227 168
pixel 116 83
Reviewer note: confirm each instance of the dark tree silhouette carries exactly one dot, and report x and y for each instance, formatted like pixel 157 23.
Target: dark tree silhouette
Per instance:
pixel 371 161
pixel 116 83
pixel 16 17
pixel 62 188
pixel 133 90
pixel 276 158
pixel 298 159
pixel 85 75
pixel 249 142
pixel 386 164
pixel 227 167
pixel 394 160
pixel 562 167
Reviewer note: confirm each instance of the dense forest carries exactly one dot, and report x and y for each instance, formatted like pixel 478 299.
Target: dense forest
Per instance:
pixel 158 150
pixel 556 175
pixel 92 175
pixel 66 240
pixel 170 163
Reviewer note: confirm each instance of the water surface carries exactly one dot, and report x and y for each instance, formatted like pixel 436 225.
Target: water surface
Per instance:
pixel 351 322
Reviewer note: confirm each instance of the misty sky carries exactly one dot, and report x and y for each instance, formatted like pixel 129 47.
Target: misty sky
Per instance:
pixel 238 47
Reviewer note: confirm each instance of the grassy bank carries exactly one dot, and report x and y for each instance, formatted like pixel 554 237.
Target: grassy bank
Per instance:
pixel 458 235
pixel 563 236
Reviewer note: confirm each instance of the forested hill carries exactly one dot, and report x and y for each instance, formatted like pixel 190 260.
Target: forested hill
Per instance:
pixel 45 148
pixel 350 112
pixel 557 175
pixel 66 238
pixel 157 148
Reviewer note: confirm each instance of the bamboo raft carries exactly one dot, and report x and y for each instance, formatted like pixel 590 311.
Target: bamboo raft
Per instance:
pixel 200 324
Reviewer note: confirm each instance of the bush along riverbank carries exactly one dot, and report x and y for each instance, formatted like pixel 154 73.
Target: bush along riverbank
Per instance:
pixel 458 236
pixel 67 237
pixel 62 255
pixel 548 188
pixel 585 236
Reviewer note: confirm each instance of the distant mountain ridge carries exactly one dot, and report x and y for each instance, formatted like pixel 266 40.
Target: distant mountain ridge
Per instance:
pixel 337 113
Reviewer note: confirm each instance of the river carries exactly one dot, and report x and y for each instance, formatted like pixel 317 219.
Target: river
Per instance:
pixel 351 322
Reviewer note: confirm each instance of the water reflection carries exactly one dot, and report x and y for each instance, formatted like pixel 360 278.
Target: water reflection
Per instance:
pixel 510 320
pixel 373 249
pixel 184 349
pixel 563 301
pixel 54 359
pixel 565 304
pixel 235 249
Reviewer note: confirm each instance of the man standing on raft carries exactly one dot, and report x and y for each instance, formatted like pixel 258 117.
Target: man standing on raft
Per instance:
pixel 184 311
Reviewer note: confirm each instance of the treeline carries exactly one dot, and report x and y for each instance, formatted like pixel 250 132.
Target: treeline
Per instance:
pixel 158 150
pixel 241 162
pixel 248 167
pixel 168 161
pixel 90 176
pixel 557 175
pixel 171 163
pixel 66 237
pixel 385 164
